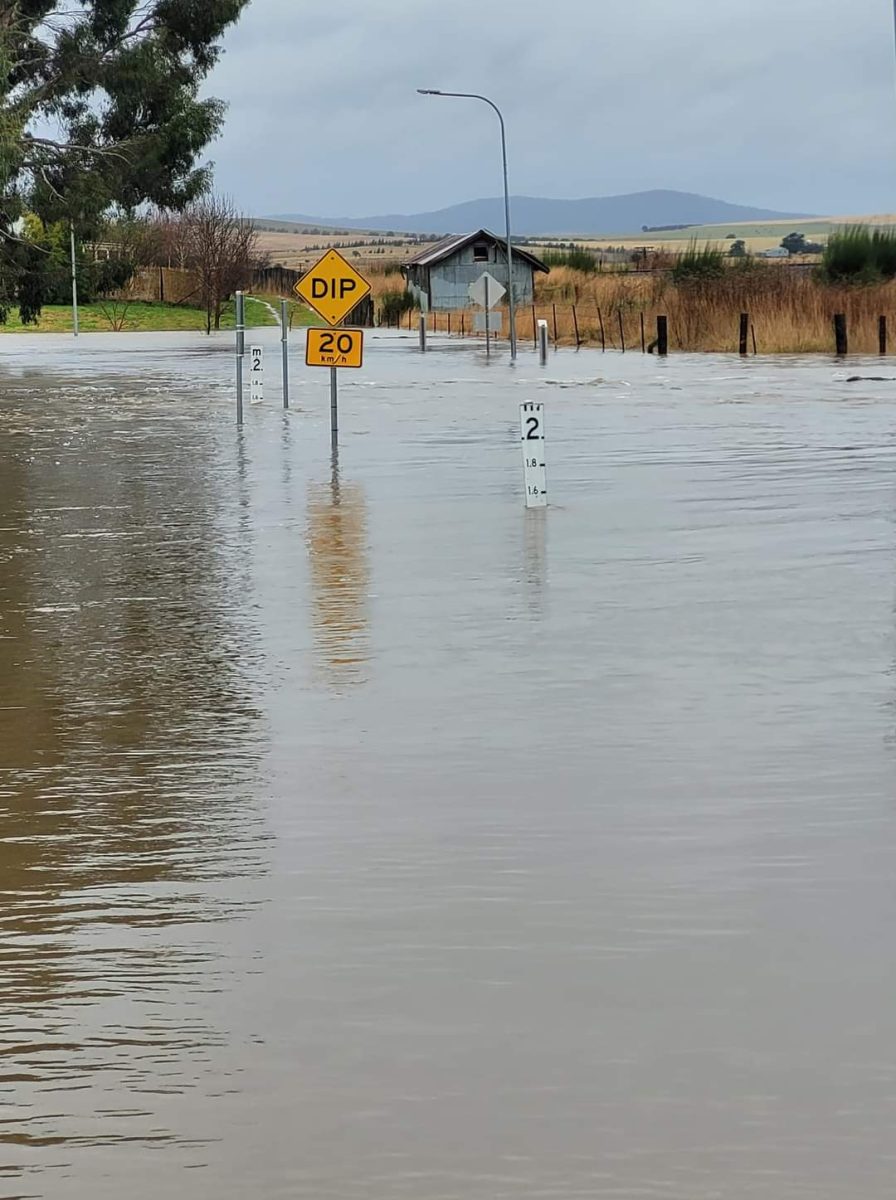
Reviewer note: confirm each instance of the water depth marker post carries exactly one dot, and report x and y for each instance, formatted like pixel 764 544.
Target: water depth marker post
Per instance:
pixel 534 467
pixel 256 374
pixel 333 288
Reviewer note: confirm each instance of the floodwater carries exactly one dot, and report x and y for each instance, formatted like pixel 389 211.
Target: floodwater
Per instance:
pixel 364 836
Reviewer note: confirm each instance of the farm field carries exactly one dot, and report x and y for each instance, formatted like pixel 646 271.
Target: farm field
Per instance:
pixel 297 248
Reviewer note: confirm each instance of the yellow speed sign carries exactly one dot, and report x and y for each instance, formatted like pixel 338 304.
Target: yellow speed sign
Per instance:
pixel 334 348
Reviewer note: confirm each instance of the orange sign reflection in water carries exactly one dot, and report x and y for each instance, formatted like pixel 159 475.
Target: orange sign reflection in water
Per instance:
pixel 340 578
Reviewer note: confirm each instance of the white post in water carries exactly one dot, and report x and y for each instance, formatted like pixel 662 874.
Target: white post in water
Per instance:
pixel 240 351
pixel 534 470
pixel 256 374
pixel 74 282
pixel 284 343
pixel 423 332
pixel 543 342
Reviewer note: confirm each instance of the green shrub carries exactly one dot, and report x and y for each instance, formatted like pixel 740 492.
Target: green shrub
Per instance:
pixel 393 305
pixel 699 263
pixel 857 255
pixel 576 258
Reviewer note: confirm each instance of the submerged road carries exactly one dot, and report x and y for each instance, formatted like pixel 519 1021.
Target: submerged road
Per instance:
pixel 363 835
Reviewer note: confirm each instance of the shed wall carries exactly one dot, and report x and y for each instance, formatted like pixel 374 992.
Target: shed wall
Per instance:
pixel 449 281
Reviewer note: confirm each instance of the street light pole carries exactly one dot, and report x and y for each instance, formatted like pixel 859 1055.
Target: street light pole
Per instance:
pixel 491 104
pixel 74 282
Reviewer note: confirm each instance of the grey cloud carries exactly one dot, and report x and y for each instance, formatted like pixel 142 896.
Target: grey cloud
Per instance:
pixel 786 105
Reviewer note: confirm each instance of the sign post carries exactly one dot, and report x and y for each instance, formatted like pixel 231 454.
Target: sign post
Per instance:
pixel 534 470
pixel 332 287
pixel 485 292
pixel 488 327
pixel 284 344
pixel 240 351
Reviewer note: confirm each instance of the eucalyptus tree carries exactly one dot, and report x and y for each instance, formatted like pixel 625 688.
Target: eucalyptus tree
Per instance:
pixel 100 108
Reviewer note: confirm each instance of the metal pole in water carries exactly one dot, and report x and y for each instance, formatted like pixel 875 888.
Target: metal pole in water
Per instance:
pixel 74 282
pixel 334 407
pixel 240 351
pixel 510 296
pixel 423 333
pixel 284 343
pixel 543 342
pixel 488 332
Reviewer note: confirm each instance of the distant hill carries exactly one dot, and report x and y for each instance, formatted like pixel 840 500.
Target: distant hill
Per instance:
pixel 533 216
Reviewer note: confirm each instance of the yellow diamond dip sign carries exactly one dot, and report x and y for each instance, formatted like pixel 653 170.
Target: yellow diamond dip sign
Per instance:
pixel 333 288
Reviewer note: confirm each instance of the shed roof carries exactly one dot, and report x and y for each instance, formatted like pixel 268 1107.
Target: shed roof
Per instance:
pixel 451 245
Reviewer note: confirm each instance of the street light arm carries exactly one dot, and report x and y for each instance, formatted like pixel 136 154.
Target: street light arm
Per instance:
pixel 475 96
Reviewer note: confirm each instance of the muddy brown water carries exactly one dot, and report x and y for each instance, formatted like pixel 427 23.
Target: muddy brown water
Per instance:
pixel 362 835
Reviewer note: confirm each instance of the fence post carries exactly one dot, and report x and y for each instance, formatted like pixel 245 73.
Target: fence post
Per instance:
pixel 882 334
pixel 575 325
pixel 534 328
pixel 423 332
pixel 744 331
pixel 840 335
pixel 643 338
pixel 753 335
pixel 556 337
pixel 662 336
pixel 603 340
pixel 621 330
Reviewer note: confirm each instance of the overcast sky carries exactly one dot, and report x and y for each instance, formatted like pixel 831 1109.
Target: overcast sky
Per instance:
pixel 787 104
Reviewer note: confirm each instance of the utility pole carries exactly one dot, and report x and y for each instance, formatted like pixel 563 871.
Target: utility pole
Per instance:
pixel 74 280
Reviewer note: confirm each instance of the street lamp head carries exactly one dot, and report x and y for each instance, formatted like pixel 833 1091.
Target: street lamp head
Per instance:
pixel 429 92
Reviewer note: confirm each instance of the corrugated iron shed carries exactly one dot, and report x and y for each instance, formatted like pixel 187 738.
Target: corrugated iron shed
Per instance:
pixel 457 242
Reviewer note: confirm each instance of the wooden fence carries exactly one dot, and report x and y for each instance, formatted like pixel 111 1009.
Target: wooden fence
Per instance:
pixel 575 325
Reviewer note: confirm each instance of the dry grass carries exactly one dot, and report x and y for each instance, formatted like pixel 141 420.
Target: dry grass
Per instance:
pixel 789 311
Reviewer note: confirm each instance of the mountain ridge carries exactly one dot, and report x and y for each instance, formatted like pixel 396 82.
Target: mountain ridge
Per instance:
pixel 534 215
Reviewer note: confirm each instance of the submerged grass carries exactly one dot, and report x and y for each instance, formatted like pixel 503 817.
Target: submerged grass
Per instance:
pixel 138 317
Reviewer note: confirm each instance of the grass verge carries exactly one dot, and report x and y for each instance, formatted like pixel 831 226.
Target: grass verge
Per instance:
pixel 141 317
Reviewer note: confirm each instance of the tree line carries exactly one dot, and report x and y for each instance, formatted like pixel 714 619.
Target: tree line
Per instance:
pixel 210 239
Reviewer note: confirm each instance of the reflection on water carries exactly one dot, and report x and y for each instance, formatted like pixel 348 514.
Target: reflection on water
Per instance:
pixel 127 753
pixel 535 525
pixel 337 546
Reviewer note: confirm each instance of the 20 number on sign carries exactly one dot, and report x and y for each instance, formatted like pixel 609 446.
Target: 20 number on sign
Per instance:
pixel 534 470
